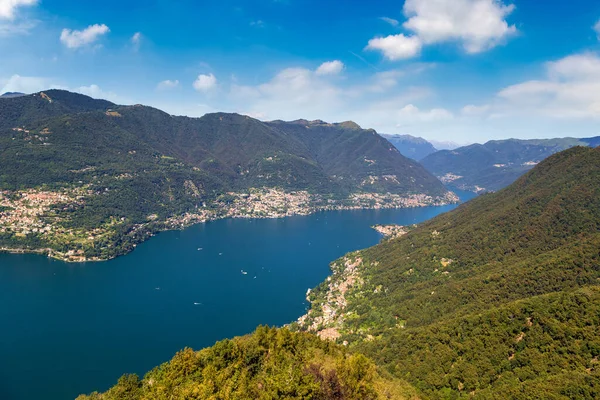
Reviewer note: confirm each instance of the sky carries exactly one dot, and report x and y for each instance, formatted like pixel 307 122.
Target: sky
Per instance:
pixel 446 70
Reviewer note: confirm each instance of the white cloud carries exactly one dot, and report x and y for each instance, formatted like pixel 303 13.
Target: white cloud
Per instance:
pixel 74 39
pixel 167 84
pixel 391 21
pixel 258 23
pixel 571 89
pixel 205 83
pixel 136 40
pixel 291 94
pixel 597 29
pixel 97 93
pixel 412 113
pixel 478 24
pixel 330 68
pixel 473 110
pixel 27 84
pixel 396 47
pixel 8 8
pixel 17 28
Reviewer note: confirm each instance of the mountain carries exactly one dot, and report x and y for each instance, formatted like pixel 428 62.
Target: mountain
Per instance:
pixel 495 164
pixel 11 94
pixel 445 145
pixel 86 179
pixel 411 146
pixel 499 298
pixel 269 364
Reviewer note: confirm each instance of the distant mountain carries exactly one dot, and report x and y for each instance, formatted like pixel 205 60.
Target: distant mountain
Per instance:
pixel 495 164
pixel 111 175
pixel 411 146
pixel 445 145
pixel 8 95
pixel 498 299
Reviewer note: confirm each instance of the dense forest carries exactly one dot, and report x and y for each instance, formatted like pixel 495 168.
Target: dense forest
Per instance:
pixel 497 299
pixel 268 364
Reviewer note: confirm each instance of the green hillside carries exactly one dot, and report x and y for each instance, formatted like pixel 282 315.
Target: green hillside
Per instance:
pixel 497 163
pixel 269 364
pixel 85 179
pixel 497 299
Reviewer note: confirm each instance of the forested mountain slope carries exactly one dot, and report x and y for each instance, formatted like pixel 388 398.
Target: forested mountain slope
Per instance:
pixel 497 163
pixel 497 299
pixel 269 364
pixel 87 179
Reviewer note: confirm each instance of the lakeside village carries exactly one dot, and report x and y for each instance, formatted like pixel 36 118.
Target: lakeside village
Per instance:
pixel 42 214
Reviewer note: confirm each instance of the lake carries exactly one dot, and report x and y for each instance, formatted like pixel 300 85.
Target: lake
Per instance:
pixel 68 329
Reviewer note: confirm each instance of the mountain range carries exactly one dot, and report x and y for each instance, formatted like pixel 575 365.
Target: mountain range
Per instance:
pixel 410 146
pixel 88 179
pixel 499 298
pixel 497 163
pixel 11 94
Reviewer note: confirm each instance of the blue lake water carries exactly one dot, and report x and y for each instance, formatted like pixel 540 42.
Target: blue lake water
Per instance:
pixel 67 329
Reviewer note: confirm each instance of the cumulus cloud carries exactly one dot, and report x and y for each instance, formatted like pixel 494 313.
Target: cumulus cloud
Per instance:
pixel 391 21
pixel 412 113
pixel 571 89
pixel 167 84
pixel 96 92
pixel 396 47
pixel 27 84
pixel 478 24
pixel 8 14
pixel 74 39
pixel 205 83
pixel 8 8
pixel 292 93
pixel 330 68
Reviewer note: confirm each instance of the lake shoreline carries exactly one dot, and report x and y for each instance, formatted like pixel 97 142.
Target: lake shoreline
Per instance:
pixel 142 232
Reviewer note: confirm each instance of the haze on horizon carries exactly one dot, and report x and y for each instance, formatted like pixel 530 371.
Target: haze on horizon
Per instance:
pixel 427 68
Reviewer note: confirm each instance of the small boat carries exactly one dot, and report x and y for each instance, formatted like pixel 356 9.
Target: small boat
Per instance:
pixel 197 304
pixel 244 272
pixel 220 254
pixel 199 248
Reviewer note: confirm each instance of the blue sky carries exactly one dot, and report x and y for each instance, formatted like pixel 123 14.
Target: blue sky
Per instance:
pixel 460 70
